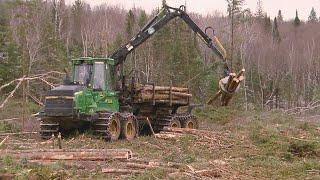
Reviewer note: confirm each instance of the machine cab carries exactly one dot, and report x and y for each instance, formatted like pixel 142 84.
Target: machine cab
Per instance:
pixel 95 73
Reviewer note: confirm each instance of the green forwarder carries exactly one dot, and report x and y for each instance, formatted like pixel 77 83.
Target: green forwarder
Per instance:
pixel 89 100
pixel 98 96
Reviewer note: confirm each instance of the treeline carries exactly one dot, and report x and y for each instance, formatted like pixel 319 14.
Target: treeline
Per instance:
pixel 282 58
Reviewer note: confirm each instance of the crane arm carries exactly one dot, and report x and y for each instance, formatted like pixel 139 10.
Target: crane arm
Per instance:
pixel 166 14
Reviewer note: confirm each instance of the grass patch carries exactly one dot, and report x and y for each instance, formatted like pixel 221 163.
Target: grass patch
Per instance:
pixel 218 115
pixel 155 173
pixel 14 108
pixel 8 127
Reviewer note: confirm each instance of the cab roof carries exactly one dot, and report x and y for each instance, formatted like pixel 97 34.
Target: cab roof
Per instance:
pixel 91 60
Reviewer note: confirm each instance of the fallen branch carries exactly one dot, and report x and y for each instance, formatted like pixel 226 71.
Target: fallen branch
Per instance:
pixel 33 77
pixel 3 141
pixel 35 99
pixel 121 171
pixel 150 126
pixel 12 92
pixel 18 133
pixel 9 83
pixel 48 83
pixel 11 119
pixel 168 135
pixel 187 131
pixel 140 166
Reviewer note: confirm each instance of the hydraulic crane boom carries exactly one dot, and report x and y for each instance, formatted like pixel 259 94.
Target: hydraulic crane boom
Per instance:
pixel 160 20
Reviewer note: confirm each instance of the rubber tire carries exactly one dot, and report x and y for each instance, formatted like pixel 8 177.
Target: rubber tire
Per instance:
pixel 185 124
pixel 175 124
pixel 114 137
pixel 125 125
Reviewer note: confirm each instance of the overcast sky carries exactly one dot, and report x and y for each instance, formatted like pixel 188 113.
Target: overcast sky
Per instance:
pixel 288 7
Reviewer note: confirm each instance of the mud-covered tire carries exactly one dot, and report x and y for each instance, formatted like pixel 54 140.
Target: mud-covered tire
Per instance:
pixel 175 123
pixel 128 129
pixel 190 123
pixel 114 128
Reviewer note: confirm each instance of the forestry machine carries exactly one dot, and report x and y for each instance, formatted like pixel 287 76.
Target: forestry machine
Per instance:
pixel 97 96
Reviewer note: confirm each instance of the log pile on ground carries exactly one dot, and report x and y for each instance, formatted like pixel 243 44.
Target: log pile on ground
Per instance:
pixel 69 154
pixel 161 94
pixel 228 86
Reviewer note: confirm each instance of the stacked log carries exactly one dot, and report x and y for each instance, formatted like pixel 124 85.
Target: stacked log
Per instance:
pixel 161 94
pixel 228 86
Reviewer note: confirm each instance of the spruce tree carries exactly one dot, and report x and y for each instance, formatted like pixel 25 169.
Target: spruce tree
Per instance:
pixel 259 11
pixel 9 52
pixel 130 21
pixel 313 16
pixel 296 21
pixel 142 19
pixel 280 17
pixel 275 31
pixel 267 23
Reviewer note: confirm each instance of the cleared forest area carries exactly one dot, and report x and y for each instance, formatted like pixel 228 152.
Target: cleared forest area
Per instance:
pixel 251 145
pixel 270 130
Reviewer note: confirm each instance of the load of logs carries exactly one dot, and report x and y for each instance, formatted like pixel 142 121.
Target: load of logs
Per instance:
pixel 228 86
pixel 162 94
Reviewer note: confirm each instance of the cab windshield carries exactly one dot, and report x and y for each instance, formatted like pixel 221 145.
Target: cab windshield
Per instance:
pixel 99 76
pixel 82 74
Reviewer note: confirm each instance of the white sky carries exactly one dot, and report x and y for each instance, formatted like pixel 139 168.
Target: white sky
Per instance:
pixel 288 7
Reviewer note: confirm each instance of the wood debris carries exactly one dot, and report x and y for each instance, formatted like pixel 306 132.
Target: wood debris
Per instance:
pixel 132 167
pixel 121 171
pixel 18 133
pixel 70 154
pixel 166 135
pixel 3 141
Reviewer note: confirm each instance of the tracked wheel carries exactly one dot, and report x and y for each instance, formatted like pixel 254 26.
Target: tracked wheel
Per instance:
pixel 108 126
pixel 190 123
pixel 114 128
pixel 166 121
pixel 128 127
pixel 47 128
pixel 175 123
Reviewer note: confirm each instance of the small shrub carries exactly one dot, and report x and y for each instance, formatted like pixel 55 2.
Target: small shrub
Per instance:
pixel 7 160
pixel 304 126
pixel 288 156
pixel 189 158
pixel 303 149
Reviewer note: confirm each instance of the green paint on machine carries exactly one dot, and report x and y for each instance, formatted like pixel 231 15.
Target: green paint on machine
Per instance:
pixel 89 101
